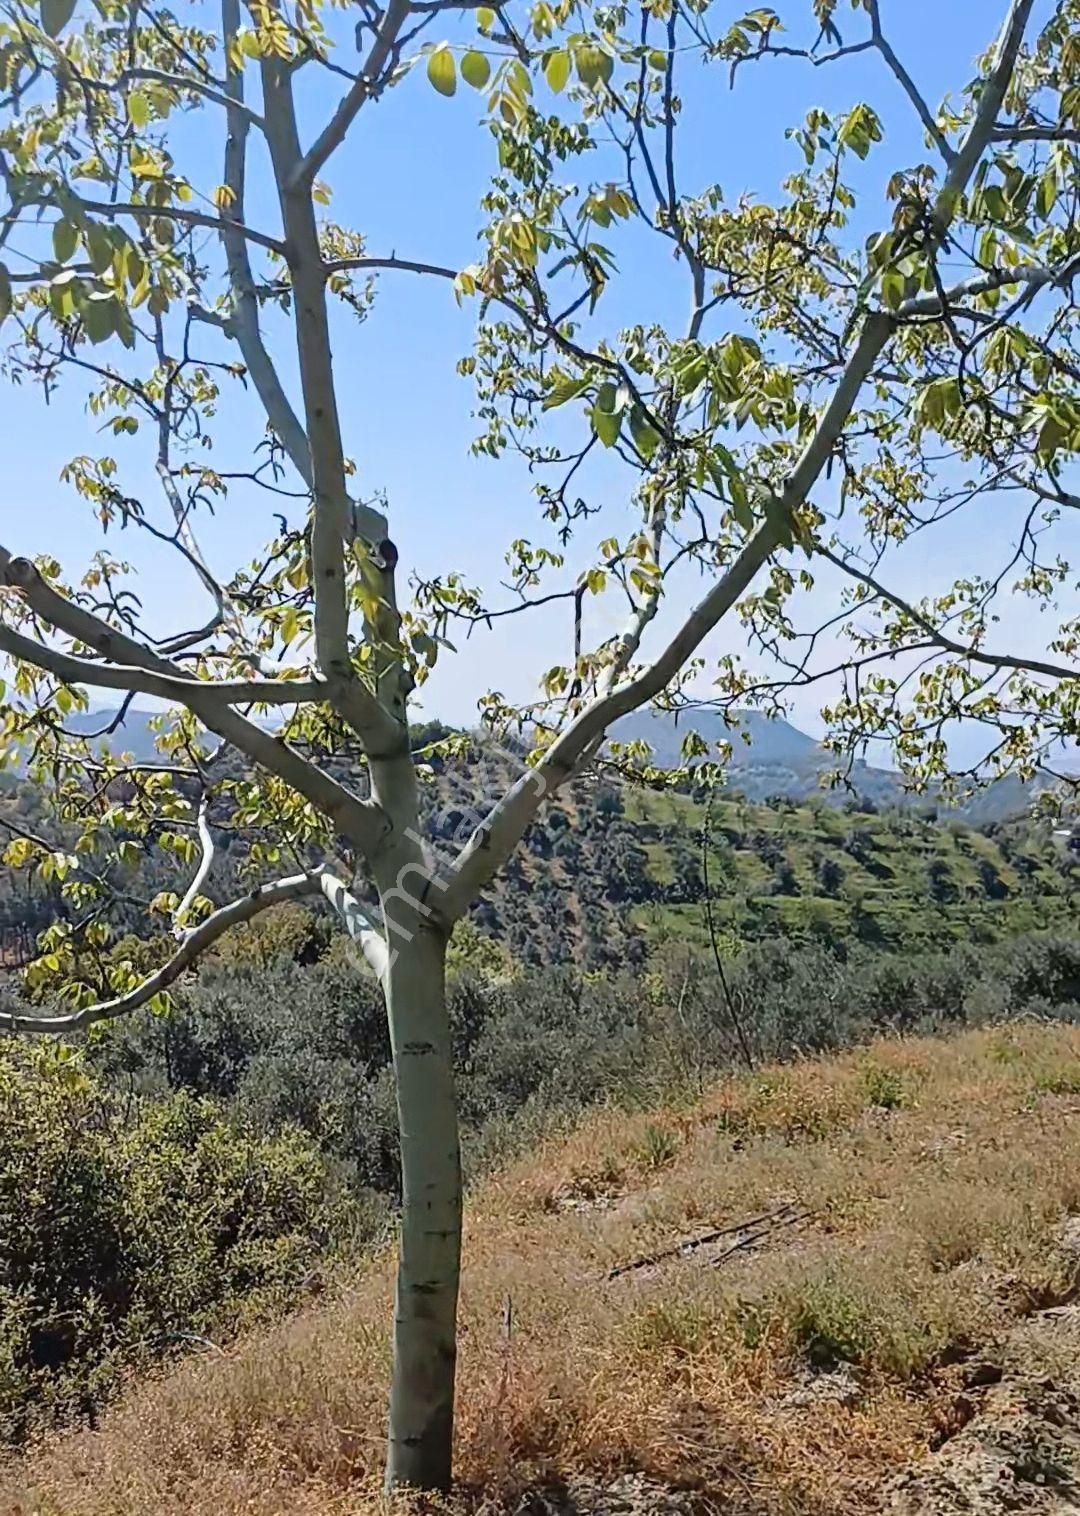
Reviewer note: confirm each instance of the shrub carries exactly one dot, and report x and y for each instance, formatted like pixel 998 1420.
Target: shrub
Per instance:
pixel 884 1088
pixel 130 1228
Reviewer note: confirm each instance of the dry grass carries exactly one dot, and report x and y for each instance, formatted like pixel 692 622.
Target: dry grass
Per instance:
pixel 937 1174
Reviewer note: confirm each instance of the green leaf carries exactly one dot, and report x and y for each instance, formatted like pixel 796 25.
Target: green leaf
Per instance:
pixel 485 18
pixel 55 15
pixel 99 317
pixel 442 71
pixel 65 238
pixel 557 70
pixel 743 514
pixel 99 249
pixel 125 330
pixel 646 437
pixel 564 390
pixel 475 69
pixel 606 424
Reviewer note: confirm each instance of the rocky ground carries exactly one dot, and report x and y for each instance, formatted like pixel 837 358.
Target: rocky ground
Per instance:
pixel 1017 1447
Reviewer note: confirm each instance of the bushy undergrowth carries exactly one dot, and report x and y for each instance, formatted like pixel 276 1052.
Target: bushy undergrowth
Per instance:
pixel 283 1043
pixel 131 1229
pixel 929 1226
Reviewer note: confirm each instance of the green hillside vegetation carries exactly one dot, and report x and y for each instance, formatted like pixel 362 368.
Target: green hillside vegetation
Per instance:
pixel 807 871
pixel 613 868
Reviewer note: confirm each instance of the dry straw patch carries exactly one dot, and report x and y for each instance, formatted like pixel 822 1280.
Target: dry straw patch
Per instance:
pixel 937 1174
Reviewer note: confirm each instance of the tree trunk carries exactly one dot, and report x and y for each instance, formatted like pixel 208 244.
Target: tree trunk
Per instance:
pixel 425 1308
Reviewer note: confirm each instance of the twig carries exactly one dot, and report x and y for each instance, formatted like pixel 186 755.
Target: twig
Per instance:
pixel 755 1228
pixel 751 1238
pixel 194 889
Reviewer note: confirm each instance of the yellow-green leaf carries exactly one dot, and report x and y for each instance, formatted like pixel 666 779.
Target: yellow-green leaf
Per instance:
pixel 485 19
pixel 138 107
pixel 290 624
pixel 1046 197
pixel 557 70
pixel 646 437
pixel 65 237
pixel 594 65
pixel 441 70
pixel 562 391
pixel 475 69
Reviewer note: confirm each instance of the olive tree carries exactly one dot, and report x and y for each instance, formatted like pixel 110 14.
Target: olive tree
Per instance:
pixel 855 370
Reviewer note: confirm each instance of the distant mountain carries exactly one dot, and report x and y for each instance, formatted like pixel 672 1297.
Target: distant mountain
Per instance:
pixel 772 743
pixel 134 735
pixel 778 760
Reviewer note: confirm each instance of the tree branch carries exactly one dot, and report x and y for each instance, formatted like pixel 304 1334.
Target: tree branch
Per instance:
pixel 244 325
pixel 990 101
pixel 194 889
pixel 1035 134
pixel 909 86
pixel 73 670
pixel 941 639
pixel 202 87
pixel 111 210
pixel 193 946
pixel 367 85
pixel 492 842
pixel 334 518
pixel 361 821
pixel 1035 278
pixel 357 922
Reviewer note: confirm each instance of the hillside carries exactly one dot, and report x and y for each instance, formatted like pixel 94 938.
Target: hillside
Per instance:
pixel 609 869
pixel 808 872
pixel 777 1298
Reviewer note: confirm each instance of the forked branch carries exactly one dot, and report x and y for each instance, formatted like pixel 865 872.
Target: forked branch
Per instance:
pixel 360 820
pixel 968 651
pixel 193 946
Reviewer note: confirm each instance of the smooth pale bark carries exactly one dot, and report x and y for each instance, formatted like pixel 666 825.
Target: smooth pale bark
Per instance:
pixel 429 1260
pixel 421 1431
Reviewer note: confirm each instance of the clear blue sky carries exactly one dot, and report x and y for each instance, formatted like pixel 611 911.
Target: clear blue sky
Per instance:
pixel 410 179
